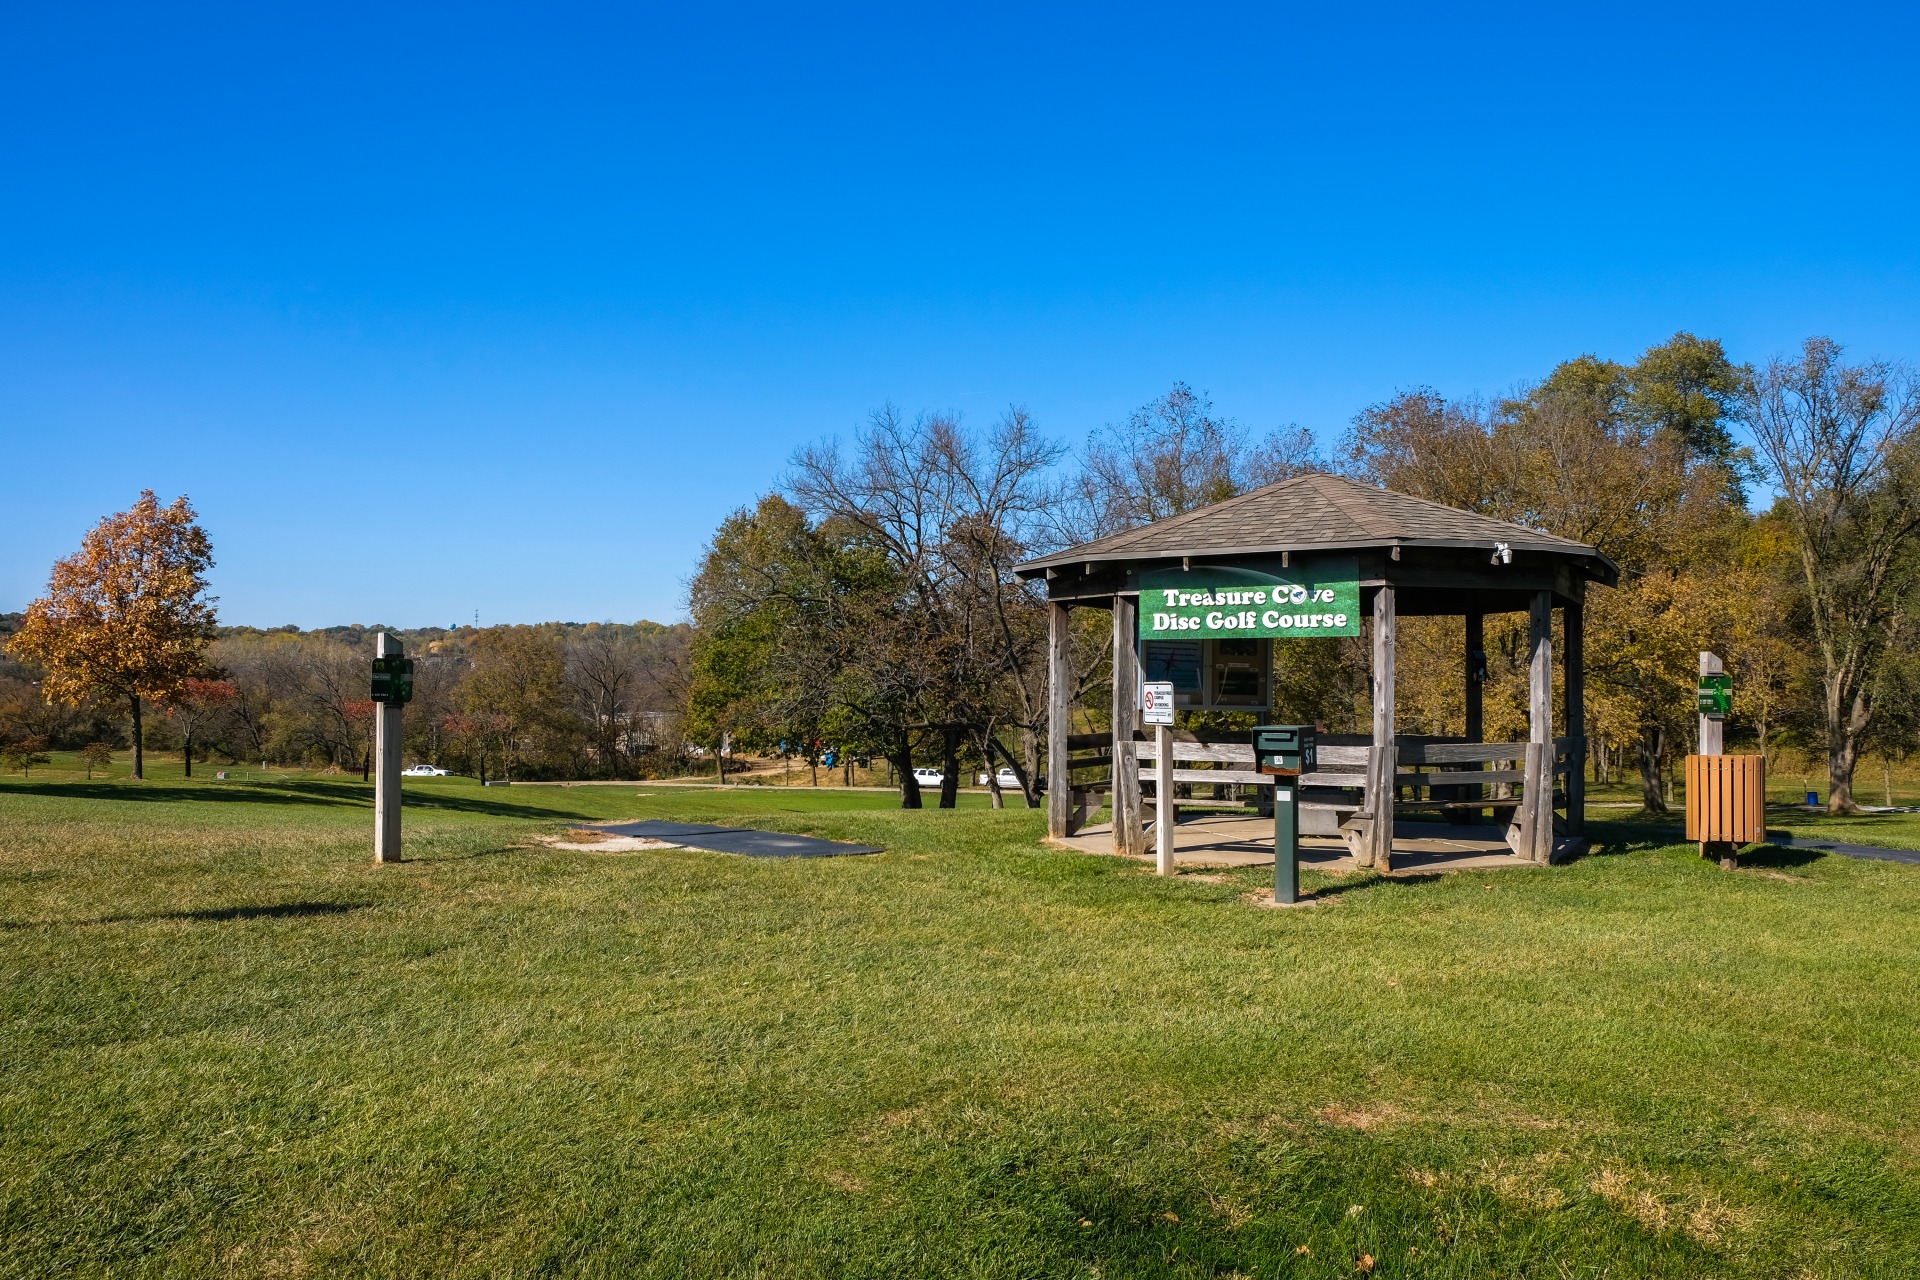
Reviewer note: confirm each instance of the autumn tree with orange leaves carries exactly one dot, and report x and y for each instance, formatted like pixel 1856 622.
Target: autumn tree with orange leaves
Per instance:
pixel 127 616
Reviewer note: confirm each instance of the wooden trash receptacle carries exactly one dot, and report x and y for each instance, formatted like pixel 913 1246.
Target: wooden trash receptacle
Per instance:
pixel 1726 801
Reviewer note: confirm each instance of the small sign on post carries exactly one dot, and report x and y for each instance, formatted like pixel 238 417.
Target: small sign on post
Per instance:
pixel 1156 709
pixel 1716 695
pixel 1156 705
pixel 1715 703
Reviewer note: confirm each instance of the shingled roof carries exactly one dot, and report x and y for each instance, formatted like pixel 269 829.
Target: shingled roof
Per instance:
pixel 1315 513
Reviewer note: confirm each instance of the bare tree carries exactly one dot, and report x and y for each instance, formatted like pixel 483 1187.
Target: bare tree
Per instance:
pixel 603 672
pixel 1843 443
pixel 951 512
pixel 1170 457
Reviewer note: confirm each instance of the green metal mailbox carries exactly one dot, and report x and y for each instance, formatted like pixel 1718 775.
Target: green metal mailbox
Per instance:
pixel 1285 749
pixel 1284 752
pixel 393 680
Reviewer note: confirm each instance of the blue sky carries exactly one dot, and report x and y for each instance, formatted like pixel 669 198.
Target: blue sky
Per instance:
pixel 494 309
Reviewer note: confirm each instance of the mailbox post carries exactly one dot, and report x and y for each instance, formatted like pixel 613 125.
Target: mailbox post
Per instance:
pixel 392 690
pixel 1284 752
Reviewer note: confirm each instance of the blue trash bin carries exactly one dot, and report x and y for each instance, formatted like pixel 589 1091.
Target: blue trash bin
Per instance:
pixel 1813 799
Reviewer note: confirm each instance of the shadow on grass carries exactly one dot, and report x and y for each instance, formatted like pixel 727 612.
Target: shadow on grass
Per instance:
pixel 330 794
pixel 336 795
pixel 1607 836
pixel 210 915
pixel 493 808
pixel 1777 857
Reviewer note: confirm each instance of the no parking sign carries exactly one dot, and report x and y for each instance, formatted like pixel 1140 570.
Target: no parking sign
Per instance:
pixel 1157 707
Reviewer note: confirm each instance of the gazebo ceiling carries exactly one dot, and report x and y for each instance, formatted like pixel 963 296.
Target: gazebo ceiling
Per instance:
pixel 1320 513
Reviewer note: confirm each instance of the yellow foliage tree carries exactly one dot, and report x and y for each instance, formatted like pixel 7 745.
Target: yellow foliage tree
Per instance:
pixel 127 616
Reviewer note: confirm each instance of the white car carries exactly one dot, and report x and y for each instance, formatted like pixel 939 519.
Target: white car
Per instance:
pixel 426 771
pixel 1007 778
pixel 929 777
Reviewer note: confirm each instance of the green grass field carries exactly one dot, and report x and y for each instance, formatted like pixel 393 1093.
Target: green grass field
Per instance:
pixel 233 1046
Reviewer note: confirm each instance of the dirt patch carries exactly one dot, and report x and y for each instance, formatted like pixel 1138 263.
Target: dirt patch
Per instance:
pixel 1659 1207
pixel 583 841
pixel 1264 898
pixel 841 1180
pixel 1365 1119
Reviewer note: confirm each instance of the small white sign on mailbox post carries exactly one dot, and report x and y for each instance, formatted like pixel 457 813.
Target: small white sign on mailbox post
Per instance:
pixel 1157 706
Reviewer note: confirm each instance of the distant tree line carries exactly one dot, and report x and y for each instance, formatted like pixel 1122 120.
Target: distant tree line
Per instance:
pixel 557 700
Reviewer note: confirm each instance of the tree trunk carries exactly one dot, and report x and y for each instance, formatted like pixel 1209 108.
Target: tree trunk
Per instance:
pixel 950 763
pixel 186 757
pixel 1029 780
pixel 901 758
pixel 1652 745
pixel 1886 776
pixel 139 758
pixel 1030 758
pixel 985 743
pixel 1844 727
pixel 366 759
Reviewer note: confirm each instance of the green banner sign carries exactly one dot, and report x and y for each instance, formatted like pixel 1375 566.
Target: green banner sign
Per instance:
pixel 1211 602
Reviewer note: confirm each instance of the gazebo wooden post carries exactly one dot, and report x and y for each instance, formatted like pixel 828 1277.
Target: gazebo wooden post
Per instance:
pixel 1129 835
pixel 1476 692
pixel 1476 696
pixel 1383 761
pixel 1575 627
pixel 1537 802
pixel 1059 718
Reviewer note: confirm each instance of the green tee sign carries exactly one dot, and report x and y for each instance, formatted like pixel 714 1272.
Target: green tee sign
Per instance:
pixel 1716 695
pixel 393 680
pixel 1214 602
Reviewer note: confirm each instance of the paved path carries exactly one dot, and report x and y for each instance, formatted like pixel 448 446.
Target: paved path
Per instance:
pixel 1786 840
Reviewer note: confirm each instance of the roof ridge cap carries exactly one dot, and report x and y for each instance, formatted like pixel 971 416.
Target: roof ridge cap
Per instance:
pixel 1354 507
pixel 1180 520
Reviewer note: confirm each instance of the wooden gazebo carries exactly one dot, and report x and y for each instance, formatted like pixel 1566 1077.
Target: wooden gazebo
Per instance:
pixel 1310 557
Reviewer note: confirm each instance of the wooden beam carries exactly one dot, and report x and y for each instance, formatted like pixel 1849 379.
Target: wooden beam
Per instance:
pixel 1574 624
pixel 1539 841
pixel 1385 753
pixel 1457 752
pixel 1059 718
pixel 1129 836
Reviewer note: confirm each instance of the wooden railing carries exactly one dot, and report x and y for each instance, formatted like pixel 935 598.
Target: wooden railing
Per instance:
pixel 1423 767
pixel 1428 775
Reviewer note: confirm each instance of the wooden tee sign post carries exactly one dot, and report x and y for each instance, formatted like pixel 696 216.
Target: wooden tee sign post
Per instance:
pixel 392 690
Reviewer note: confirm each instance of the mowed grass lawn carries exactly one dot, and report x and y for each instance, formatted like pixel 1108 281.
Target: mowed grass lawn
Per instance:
pixel 230 1045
